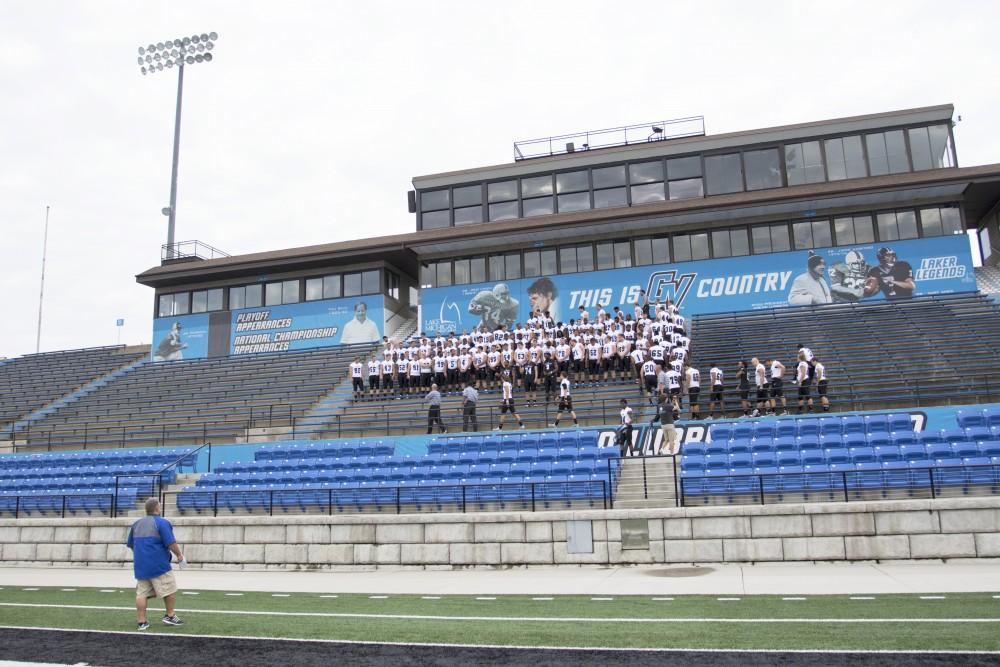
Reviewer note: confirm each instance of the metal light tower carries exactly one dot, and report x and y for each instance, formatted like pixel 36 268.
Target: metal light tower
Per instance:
pixel 176 53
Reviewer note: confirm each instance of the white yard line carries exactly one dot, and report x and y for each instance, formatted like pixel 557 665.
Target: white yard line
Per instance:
pixel 516 619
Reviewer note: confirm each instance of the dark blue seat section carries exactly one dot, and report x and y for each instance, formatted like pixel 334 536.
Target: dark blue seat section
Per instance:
pixel 830 457
pixel 549 469
pixel 86 482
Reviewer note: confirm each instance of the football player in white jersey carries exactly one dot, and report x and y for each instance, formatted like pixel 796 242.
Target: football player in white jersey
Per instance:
pixel 565 400
pixel 674 389
pixel 777 386
pixel 802 379
pixel 847 279
pixel 821 386
pixel 625 430
pixel 649 374
pixel 356 380
pixel 760 380
pixel 692 378
pixel 715 375
pixel 507 400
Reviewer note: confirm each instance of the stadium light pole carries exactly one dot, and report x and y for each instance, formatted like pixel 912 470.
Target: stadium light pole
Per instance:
pixel 176 53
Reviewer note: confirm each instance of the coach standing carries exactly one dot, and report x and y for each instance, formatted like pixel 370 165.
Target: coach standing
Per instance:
pixel 433 400
pixel 469 399
pixel 151 540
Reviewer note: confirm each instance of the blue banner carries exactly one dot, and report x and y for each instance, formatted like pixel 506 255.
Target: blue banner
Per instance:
pixel 297 326
pixel 300 326
pixel 846 274
pixel 178 338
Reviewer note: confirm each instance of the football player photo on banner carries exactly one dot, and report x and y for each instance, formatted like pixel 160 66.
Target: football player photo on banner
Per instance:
pixel 301 326
pixel 845 274
pixel 181 337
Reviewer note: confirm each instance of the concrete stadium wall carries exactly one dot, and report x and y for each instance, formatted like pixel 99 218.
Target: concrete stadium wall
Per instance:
pixel 926 529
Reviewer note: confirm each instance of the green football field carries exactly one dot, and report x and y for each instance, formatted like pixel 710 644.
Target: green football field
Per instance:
pixel 945 621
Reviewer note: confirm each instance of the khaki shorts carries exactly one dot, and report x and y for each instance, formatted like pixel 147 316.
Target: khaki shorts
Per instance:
pixel 668 444
pixel 157 587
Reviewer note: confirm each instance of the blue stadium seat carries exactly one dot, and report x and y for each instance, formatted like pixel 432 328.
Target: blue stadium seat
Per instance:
pixel 807 427
pixel 786 428
pixel 899 422
pixel 764 430
pixel 788 458
pixel 720 432
pixel 831 426
pixel 903 438
pixel 786 445
pixel 739 447
pixel 717 448
pixel 876 424
pixel 970 418
pixel 693 448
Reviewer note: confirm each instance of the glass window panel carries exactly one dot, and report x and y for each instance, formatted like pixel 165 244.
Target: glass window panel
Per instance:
pixel 513 265
pixel 255 294
pixel 920 148
pixel 723 174
pixel 984 242
pixel 237 297
pixel 199 301
pixel 951 220
pixel 573 181
pixel 609 198
pixel 940 142
pixel 532 264
pixel 682 248
pixel 878 162
pixel 650 192
pixel 538 206
pixel 779 238
pixel 352 284
pixel 467 196
pixel 290 291
pixel 577 201
pixel 605 256
pixel 166 305
pixel 392 280
pixel 895 146
pixel 804 163
pixel 496 267
pixel 684 167
pixel 844 230
pixel 369 282
pixel 686 189
pixel 643 252
pixel 215 299
pixel 623 254
pixel 502 191
pixel 549 267
pixel 443 274
pixel 536 186
pixel 821 234
pixel 802 235
pixel 645 172
pixel 331 287
pixel 761 236
pixel 428 275
pixel 930 221
pixel 477 269
pixel 435 219
pixel 469 215
pixel 864 231
pixel 181 301
pixel 845 158
pixel 504 211
pixel 836 166
pixel 567 260
pixel 609 177
pixel 435 201
pixel 661 250
pixel 854 155
pixel 720 243
pixel 314 289
pixel 585 257
pixel 272 294
pixel 763 169
pixel 887 230
pixel 906 221
pixel 461 271
pixel 738 242
pixel 699 246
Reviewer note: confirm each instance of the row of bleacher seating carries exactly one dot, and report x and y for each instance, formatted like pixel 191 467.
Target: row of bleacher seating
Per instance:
pixel 780 428
pixel 87 471
pixel 132 456
pixel 30 382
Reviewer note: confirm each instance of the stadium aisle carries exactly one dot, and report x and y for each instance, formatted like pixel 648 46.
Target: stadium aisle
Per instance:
pixel 772 578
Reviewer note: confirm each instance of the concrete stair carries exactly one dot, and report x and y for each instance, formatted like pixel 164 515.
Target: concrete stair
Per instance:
pixel 655 488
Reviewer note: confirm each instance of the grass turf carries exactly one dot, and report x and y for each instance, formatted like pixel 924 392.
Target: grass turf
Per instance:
pixel 521 621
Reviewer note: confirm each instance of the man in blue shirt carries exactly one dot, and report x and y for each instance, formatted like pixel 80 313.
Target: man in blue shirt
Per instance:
pixel 151 540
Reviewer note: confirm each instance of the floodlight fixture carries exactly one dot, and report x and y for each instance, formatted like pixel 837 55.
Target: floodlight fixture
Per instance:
pixel 657 130
pixel 152 58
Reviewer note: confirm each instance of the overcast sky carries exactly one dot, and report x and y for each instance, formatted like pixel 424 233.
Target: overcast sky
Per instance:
pixel 314 116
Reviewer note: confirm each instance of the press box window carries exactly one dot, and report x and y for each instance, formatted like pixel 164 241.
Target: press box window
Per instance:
pixel 434 207
pixel 314 289
pixel 886 153
pixel 854 229
pixel 688 247
pixel 930 147
pixel 573 191
pixel 730 243
pixel 896 225
pixel 173 304
pixel 811 234
pixel 651 251
pixel 762 168
pixel 574 259
pixel 609 187
pixel 770 238
pixel 647 182
pixel 723 174
pixel 940 221
pixel 804 163
pixel 845 158
pixel 206 300
pixel 468 204
pixel 502 199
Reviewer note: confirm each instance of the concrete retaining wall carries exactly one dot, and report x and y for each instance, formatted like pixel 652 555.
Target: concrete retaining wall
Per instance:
pixel 949 528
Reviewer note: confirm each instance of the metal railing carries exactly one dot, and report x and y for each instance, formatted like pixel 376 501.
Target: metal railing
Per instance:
pixel 189 250
pixel 525 496
pixel 57 504
pixel 659 130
